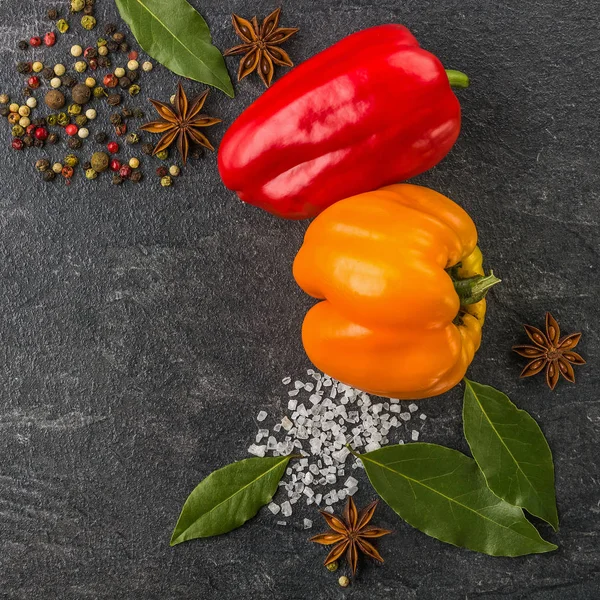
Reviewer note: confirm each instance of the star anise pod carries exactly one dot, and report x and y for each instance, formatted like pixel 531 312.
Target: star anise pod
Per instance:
pixel 551 352
pixel 181 123
pixel 351 533
pixel 261 46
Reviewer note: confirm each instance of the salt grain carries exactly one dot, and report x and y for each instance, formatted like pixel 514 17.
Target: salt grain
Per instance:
pixel 261 416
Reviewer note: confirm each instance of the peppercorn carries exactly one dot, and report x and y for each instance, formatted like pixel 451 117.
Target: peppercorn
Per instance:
pixel 121 129
pixel 124 47
pixel 71 129
pixel 81 120
pixel 104 62
pixel 174 170
pixel 81 93
pixel 71 160
pixel 57 168
pixel 77 5
pixel 52 138
pixel 4 99
pixel 101 43
pixel 136 176
pixel 166 181
pixel 114 99
pixel 49 176
pixel 138 113
pixel 118 37
pixel 52 120
pixel 41 133
pixel 55 82
pixel 34 82
pixel 110 28
pixel 332 566
pixel 74 143
pixel 37 66
pixel 4 111
pixel 68 81
pixel 125 171
pixel 99 92
pixel 91 114
pixel 18 131
pixel 88 22
pixel 27 92
pixel 90 82
pixel 24 67
pixel 67 172
pixel 62 26
pixel 112 46
pixel 100 137
pixel 134 90
pixel 83 133
pixel 99 161
pixel 132 138
pixel 115 119
pixel 35 41
pixel 13 118
pixel 163 154
pixel 24 122
pixel 23 45
pixel 91 173
pixel 115 164
pixel 125 82
pixel 110 80
pixel 48 73
pixel 344 581
pixel 74 109
pixel 132 76
pixel 147 66
pixel 117 179
pixel 38 143
pixel 62 119
pixel 28 141
pixel 88 10
pixel 90 52
pixel 50 39
pixel 162 171
pixel 17 144
pixel 80 66
pixel 52 14
pixel 113 147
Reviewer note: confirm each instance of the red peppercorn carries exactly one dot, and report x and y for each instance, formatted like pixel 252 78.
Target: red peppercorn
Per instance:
pixel 93 64
pixel 41 133
pixel 125 171
pixel 71 129
pixel 111 80
pixel 112 147
pixel 35 41
pixel 115 164
pixel 30 129
pixel 34 82
pixel 17 144
pixel 50 39
pixel 133 55
pixel 67 172
pixel 121 129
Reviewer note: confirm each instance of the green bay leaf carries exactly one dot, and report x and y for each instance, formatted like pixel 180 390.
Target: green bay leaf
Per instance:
pixel 511 451
pixel 229 497
pixel 176 35
pixel 443 493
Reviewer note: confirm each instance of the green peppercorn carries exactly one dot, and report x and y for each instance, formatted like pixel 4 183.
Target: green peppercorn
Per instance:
pixel 100 137
pixel 88 22
pixel 52 138
pixel 18 131
pixel 100 161
pixel 81 120
pixel 101 42
pixel 117 180
pixel 49 175
pixel 115 119
pixel 163 154
pixel 74 109
pixel 77 5
pixel 132 138
pixel 134 90
pixel 71 160
pixel 62 26
pixel 52 120
pixel 138 113
pixel 62 119
pixel 166 181
pixel 91 174
pixel 99 92
pixel 52 14
pixel 74 143
pixel 332 566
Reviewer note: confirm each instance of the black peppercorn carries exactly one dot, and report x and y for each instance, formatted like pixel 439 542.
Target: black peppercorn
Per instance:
pixel 162 171
pixel 4 111
pixel 126 112
pixel 118 37
pixel 52 138
pixel 86 165
pixel 116 119
pixel 68 81
pixel 74 143
pixel 88 10
pixel 23 45
pixel 103 62
pixel 40 122
pixel 112 46
pixel 110 28
pixel 42 165
pixel 27 92
pixel 114 100
pixel 48 73
pixel 136 176
pixel 138 113
pixel 49 175
pixel 52 14
pixel 124 47
pixel 100 137
pixel 24 67
pixel 132 76
pixel 196 153
pixel 38 143
pixel 147 149
pixel 117 180
pixel 125 82
pixel 28 141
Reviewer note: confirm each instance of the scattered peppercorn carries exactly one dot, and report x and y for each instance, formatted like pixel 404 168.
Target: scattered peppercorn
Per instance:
pixel 80 66
pixel 71 129
pixel 52 14
pixel 68 81
pixel 52 120
pixel 93 63
pixel 49 176
pixel 344 581
pixel 50 39
pixel 132 138
pixel 100 137
pixel 162 155
pixel 83 133
pixel 121 129
pixel 125 171
pixel 112 147
pixel 125 83
pixel 52 138
pixel 174 170
pixel 136 176
pixel 115 119
pixel 124 47
pixel 4 99
pixel 24 68
pixel 114 99
pixel 23 45
pixel 132 76
pixel 112 46
pixel 166 181
pixel 48 73
pixel 99 161
pixel 90 52
pixel 62 119
pixel 17 144
pixel 18 131
pixel 115 164
pixel 134 162
pixel 147 148
pixel 34 82
pixel 77 5
pixel 81 120
pixel 88 22
pixel 62 26
pixel 35 41
pixel 74 143
pixel 138 113
pixel 118 37
pixel 110 28
pixel 99 92
pixel 81 93
pixel 57 168
pixel 27 92
pixel 117 179
pixel 91 173
pixel 41 133
pixel 162 171
pixel 111 80
pixel 71 160
pixel 37 66
pixel 103 62
pixel 67 172
pixel 74 109
pixel 332 566
pixel 4 111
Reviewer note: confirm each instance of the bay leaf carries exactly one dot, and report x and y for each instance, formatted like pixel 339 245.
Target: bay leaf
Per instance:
pixel 511 451
pixel 443 493
pixel 176 35
pixel 229 497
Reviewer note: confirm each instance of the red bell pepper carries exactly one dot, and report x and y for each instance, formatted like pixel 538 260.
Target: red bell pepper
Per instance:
pixel 372 110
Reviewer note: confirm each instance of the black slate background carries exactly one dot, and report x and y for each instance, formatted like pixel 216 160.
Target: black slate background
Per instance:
pixel 142 329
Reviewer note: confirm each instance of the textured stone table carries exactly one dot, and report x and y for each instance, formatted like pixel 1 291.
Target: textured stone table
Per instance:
pixel 142 329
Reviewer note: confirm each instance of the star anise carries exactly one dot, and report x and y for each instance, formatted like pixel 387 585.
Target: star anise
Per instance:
pixel 551 352
pixel 181 123
pixel 261 46
pixel 351 533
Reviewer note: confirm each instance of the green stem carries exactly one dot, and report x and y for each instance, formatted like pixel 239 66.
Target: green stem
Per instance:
pixel 474 289
pixel 457 79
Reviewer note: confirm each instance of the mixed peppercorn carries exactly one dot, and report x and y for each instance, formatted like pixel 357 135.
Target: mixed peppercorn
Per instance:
pixel 68 96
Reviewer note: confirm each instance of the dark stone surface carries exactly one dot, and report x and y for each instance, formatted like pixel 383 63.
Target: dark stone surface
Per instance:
pixel 142 329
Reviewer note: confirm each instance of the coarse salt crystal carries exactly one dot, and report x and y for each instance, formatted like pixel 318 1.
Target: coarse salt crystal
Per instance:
pixel 307 523
pixel 257 450
pixel 413 407
pixel 286 380
pixel 286 508
pixel 422 417
pixel 414 435
pixel 350 482
pixel 274 508
pixel 261 416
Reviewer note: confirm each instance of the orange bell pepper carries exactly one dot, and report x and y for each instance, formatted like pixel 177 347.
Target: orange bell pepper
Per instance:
pixel 402 286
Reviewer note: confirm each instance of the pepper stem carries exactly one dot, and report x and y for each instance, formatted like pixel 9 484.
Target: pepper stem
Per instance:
pixel 457 79
pixel 474 289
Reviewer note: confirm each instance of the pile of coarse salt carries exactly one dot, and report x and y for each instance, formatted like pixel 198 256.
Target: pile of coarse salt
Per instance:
pixel 324 416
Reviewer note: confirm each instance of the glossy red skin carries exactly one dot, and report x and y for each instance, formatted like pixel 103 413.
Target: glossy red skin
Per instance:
pixel 372 110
